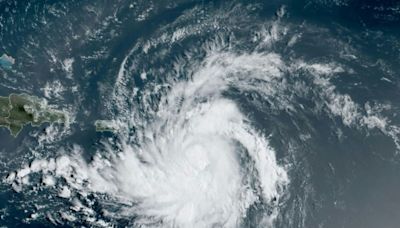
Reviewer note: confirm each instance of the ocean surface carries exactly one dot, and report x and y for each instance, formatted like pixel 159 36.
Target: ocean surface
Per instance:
pixel 219 113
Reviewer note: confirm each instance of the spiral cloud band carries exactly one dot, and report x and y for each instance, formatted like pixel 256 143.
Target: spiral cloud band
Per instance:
pixel 198 163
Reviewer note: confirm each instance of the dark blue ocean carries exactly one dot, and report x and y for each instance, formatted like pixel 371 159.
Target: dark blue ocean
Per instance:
pixel 220 113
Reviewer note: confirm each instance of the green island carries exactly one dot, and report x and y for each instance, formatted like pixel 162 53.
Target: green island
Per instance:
pixel 19 110
pixel 106 126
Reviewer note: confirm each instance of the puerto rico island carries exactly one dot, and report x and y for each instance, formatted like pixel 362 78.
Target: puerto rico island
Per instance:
pixel 19 110
pixel 107 126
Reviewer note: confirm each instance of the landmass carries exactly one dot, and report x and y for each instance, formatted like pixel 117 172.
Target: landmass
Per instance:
pixel 106 125
pixel 19 110
pixel 6 61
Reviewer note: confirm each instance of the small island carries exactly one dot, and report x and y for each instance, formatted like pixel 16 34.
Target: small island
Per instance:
pixel 6 61
pixel 106 126
pixel 18 110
